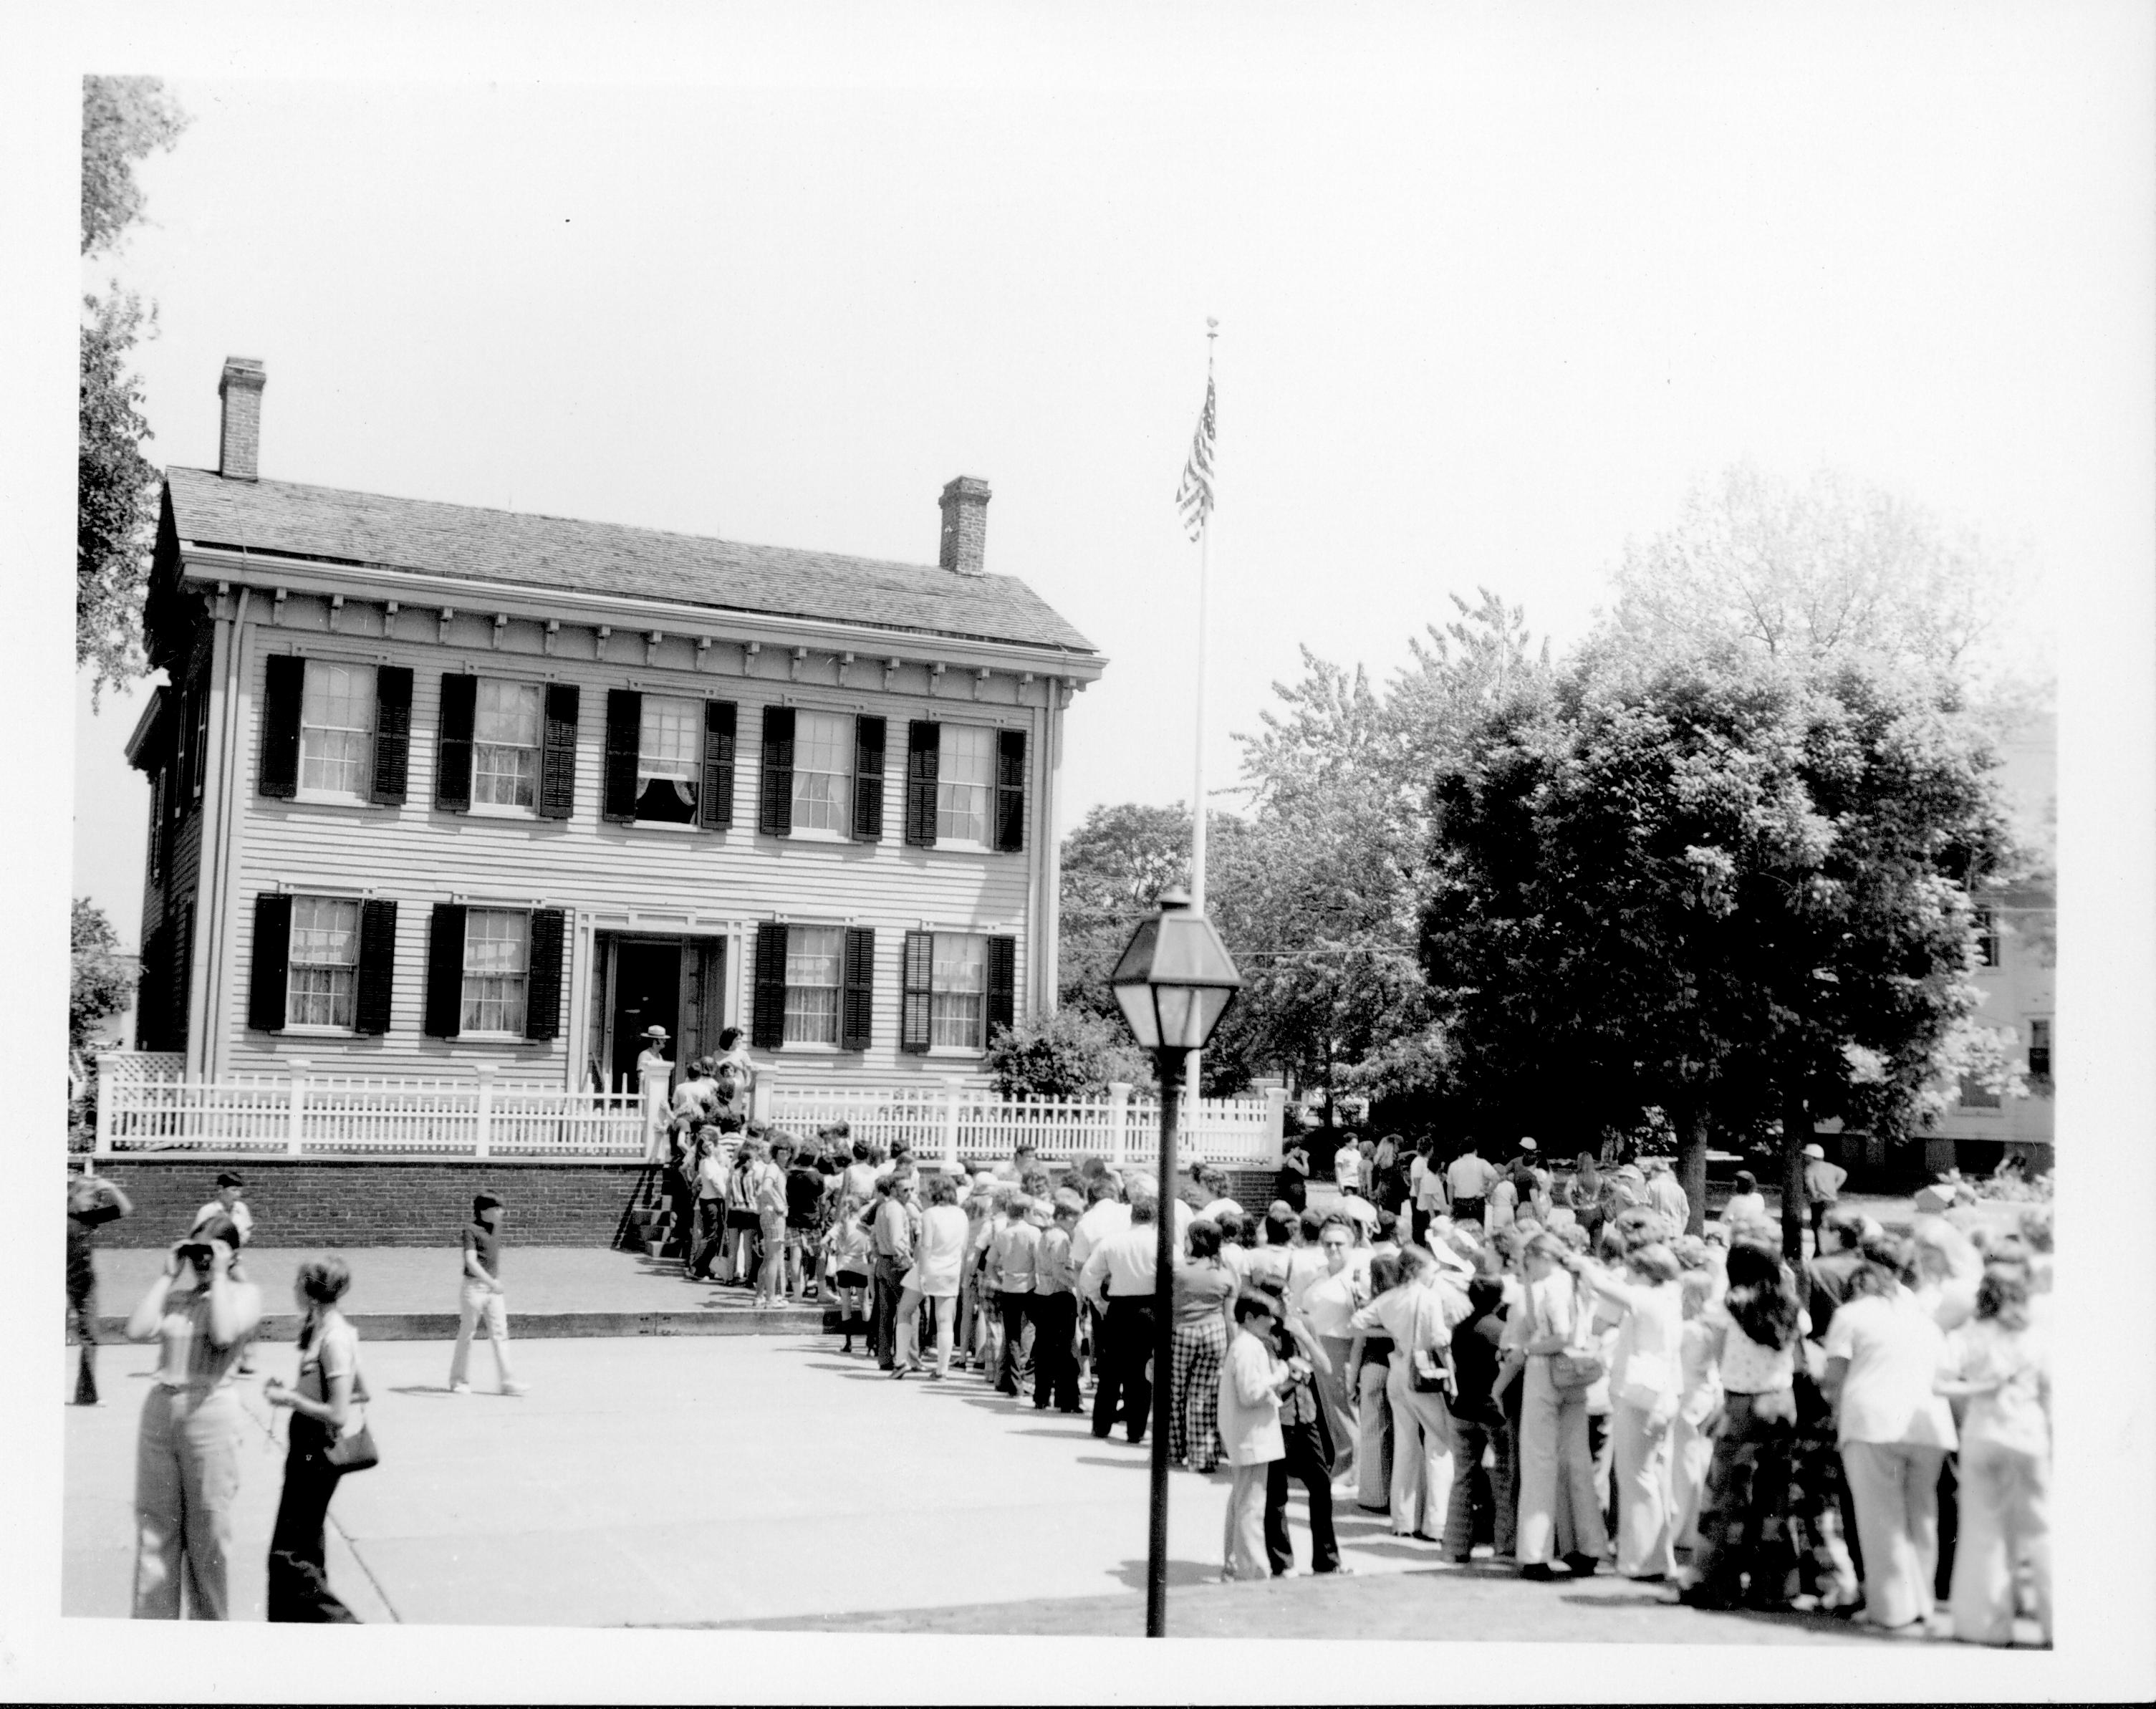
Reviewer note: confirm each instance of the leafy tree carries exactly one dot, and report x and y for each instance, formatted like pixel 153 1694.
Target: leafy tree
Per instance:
pixel 1115 866
pixel 102 986
pixel 1835 567
pixel 1070 1053
pixel 1735 889
pixel 123 121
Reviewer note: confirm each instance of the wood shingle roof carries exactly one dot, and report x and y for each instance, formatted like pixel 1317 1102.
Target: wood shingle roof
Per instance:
pixel 520 550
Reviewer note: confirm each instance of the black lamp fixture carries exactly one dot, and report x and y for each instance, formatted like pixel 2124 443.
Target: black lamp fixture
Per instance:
pixel 1174 982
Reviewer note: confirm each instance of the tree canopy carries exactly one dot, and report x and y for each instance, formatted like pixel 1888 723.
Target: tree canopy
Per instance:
pixel 102 986
pixel 123 121
pixel 1735 888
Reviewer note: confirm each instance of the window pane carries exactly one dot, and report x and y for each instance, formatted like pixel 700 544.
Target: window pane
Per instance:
pixel 671 745
pixel 495 942
pixel 965 782
pixel 507 713
pixel 813 958
pixel 322 974
pixel 958 984
pixel 336 728
pixel 822 772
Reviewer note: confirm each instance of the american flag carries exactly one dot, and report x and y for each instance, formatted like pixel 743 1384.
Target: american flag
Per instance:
pixel 1195 497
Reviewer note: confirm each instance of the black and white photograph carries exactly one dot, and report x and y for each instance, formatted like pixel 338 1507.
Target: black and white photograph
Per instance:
pixel 1324 832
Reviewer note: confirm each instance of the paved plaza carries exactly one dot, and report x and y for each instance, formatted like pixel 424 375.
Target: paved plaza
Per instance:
pixel 768 1480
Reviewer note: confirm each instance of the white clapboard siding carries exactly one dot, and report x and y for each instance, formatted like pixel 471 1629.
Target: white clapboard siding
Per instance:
pixel 418 856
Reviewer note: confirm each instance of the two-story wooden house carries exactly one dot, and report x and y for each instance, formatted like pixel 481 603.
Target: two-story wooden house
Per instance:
pixel 435 786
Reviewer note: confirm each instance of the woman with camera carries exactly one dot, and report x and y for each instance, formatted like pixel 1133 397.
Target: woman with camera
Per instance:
pixel 329 1387
pixel 187 1460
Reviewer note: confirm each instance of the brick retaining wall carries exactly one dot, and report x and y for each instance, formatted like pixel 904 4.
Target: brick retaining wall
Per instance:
pixel 415 1201
pixel 379 1201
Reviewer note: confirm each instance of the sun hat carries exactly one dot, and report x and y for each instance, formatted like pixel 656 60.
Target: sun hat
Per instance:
pixel 654 1032
pixel 1360 1210
pixel 1528 1143
pixel 1816 1150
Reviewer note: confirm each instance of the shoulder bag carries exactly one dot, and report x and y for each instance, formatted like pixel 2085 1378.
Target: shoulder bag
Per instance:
pixel 1576 1367
pixel 353 1448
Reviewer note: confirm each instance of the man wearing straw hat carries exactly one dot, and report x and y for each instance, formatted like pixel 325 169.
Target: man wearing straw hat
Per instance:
pixel 654 1080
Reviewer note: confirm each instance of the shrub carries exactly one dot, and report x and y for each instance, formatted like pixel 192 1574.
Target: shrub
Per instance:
pixel 1069 1054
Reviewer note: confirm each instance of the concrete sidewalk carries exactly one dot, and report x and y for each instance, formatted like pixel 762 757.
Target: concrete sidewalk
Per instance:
pixel 409 1293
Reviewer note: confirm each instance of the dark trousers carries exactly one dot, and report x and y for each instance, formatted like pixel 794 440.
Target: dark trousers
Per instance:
pixel 82 1318
pixel 883 1309
pixel 1467 1210
pixel 1015 1311
pixel 1054 1356
pixel 299 1580
pixel 1308 1461
pixel 1119 1360
pixel 681 1200
pixel 711 1235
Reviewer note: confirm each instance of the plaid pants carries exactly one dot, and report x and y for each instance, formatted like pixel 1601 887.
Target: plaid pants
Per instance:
pixel 1198 1351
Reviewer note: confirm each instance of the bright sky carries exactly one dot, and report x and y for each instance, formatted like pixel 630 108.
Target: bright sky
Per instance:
pixel 1494 287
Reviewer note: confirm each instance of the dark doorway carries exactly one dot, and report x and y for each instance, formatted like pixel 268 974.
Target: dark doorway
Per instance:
pixel 647 993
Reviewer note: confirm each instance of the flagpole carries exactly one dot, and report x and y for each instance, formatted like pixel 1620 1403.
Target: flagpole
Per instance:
pixel 1193 1084
pixel 1204 567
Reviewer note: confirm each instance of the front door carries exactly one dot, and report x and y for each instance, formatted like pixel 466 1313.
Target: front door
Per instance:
pixel 647 993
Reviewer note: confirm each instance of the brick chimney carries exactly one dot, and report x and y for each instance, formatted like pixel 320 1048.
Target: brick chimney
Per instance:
pixel 239 443
pixel 965 525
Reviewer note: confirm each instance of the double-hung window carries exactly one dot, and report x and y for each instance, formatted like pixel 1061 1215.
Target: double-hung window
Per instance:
pixel 337 730
pixel 2040 1050
pixel 1986 938
pixel 497 967
pixel 505 732
pixel 814 969
pixel 957 990
pixel 669 755
pixel 322 987
pixel 965 784
pixel 822 773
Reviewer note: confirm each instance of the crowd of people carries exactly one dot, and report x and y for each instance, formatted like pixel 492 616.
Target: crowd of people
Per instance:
pixel 1535 1366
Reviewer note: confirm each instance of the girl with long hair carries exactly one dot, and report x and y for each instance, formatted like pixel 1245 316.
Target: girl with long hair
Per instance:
pixel 1204 1293
pixel 939 1251
pixel 320 1403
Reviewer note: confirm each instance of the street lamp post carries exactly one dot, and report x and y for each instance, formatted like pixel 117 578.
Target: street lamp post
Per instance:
pixel 1174 982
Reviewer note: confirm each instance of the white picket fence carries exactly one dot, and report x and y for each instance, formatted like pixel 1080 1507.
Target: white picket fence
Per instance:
pixel 144 1109
pixel 957 1122
pixel 305 1114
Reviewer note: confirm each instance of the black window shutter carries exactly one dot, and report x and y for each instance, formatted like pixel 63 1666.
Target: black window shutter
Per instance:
pixel 775 787
pixel 453 746
pixel 914 976
pixel 153 992
pixel 768 1026
pixel 856 1023
pixel 557 752
pixel 283 681
pixel 445 971
pixel 542 990
pixel 924 741
pixel 377 965
pixel 868 780
pixel 392 733
pixel 1010 791
pixel 183 748
pixel 272 958
pixel 183 961
pixel 716 805
pixel 624 731
pixel 1003 985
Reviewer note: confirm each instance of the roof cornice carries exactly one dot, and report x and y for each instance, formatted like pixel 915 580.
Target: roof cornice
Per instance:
pixel 202 561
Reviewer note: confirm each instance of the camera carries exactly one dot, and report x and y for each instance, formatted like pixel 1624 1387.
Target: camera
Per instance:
pixel 201 1254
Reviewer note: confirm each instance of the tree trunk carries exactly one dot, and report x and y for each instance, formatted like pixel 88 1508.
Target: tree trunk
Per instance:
pixel 1692 1130
pixel 1796 1135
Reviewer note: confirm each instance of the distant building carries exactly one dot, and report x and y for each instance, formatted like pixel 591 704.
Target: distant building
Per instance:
pixel 2015 957
pixel 434 786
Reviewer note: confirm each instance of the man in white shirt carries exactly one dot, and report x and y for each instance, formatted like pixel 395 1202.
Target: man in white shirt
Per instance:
pixel 1425 1191
pixel 228 1204
pixel 1666 1195
pixel 1470 1177
pixel 1252 1379
pixel 1117 1279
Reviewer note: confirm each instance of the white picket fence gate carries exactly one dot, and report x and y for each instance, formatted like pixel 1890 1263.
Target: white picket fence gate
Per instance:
pixel 149 1106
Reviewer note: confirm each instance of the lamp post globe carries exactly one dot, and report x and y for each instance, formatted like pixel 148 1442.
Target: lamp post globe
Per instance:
pixel 1173 983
